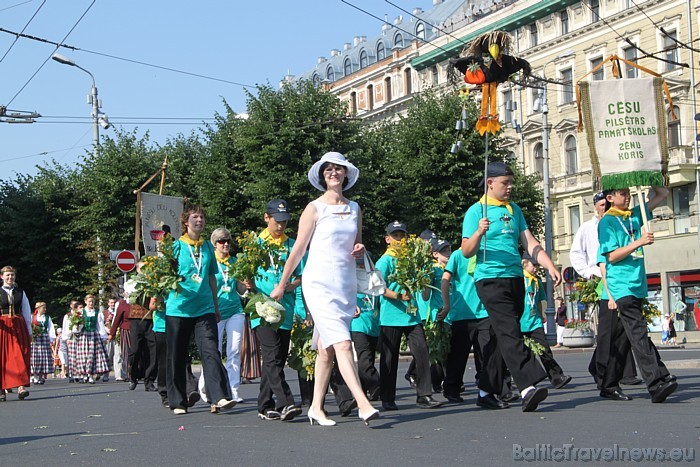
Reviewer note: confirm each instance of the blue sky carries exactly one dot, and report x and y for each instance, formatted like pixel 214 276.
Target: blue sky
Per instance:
pixel 247 42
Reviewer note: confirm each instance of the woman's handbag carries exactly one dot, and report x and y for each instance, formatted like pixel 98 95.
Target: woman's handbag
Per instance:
pixel 369 280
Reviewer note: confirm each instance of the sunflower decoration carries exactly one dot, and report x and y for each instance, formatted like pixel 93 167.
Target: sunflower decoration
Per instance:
pixel 488 61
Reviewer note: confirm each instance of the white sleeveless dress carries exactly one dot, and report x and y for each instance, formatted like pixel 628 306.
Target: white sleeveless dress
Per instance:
pixel 329 281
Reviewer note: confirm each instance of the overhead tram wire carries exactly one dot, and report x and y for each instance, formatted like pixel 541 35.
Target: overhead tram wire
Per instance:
pixel 51 54
pixel 43 153
pixel 663 31
pixel 23 29
pixel 115 57
pixel 18 4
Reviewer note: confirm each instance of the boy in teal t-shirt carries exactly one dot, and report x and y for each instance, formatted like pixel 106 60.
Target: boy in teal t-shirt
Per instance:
pixel 498 274
pixel 364 330
pixel 471 328
pixel 395 322
pixel 532 323
pixel 622 264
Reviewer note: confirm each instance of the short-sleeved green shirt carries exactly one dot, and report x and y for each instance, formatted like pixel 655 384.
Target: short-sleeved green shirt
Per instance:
pixel 229 300
pixel 195 297
pixel 393 312
pixel 627 277
pixel 502 254
pixel 464 300
pixel 368 320
pixel 534 296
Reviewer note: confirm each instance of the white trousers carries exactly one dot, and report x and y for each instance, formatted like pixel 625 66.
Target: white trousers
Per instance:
pixel 560 334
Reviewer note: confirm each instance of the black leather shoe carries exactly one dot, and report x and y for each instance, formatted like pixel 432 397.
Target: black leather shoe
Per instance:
pixel 23 394
pixel 374 394
pixel 389 406
pixel 616 395
pixel 411 380
pixel 165 403
pixel 512 396
pixel 193 398
pixel 630 381
pixel 452 398
pixel 132 385
pixel 560 381
pixel 533 398
pixel 346 407
pixel 490 402
pixel 150 387
pixel 427 402
pixel 663 391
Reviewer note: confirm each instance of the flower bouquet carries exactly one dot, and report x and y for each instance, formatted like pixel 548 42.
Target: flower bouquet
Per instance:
pixel 414 267
pixel 37 330
pixel 438 335
pixel 302 357
pixel 76 321
pixel 254 255
pixel 270 312
pixel 649 311
pixel 158 275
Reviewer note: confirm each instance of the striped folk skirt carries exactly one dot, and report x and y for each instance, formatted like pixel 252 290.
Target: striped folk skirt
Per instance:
pixel 15 345
pixel 90 354
pixel 42 357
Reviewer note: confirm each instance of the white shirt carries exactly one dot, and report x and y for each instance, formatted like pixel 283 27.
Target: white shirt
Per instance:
pixel 584 249
pixel 46 320
pixel 26 310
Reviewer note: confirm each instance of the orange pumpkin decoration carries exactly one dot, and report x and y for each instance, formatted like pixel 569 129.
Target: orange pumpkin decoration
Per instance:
pixel 474 74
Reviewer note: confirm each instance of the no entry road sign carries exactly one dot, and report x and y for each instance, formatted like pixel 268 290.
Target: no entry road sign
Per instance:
pixel 126 261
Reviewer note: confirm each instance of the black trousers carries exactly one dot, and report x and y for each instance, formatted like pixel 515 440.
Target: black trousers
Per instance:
pixel 274 348
pixel 161 356
pixel 389 346
pixel 177 338
pixel 142 351
pixel 466 334
pixel 601 354
pixel 547 358
pixel 366 349
pixel 504 300
pixel 437 372
pixel 629 320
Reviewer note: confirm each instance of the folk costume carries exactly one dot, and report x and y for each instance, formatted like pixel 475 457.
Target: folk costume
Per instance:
pixel 121 331
pixel 43 337
pixel 15 340
pixel 90 351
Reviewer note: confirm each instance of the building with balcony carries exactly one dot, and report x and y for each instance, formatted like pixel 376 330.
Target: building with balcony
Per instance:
pixel 563 40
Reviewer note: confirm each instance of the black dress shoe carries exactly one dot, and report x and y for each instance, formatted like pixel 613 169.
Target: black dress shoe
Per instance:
pixel 511 396
pixel 663 391
pixel 374 394
pixel 560 381
pixel 452 398
pixel 533 398
pixel 490 402
pixel 616 395
pixel 346 407
pixel 165 403
pixel 630 381
pixel 23 394
pixel 411 380
pixel 389 406
pixel 193 398
pixel 132 385
pixel 150 387
pixel 427 402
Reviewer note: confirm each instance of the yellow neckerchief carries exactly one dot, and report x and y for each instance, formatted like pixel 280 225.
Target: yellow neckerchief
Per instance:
pixel 195 243
pixel 491 201
pixel 618 213
pixel 224 260
pixel 530 279
pixel 267 236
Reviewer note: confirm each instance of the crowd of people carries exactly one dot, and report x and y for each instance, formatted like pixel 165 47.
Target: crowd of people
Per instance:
pixel 487 291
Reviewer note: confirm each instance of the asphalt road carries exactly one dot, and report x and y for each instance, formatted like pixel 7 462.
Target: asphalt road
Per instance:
pixel 106 424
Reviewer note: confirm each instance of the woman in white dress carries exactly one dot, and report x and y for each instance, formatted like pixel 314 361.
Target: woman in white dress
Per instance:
pixel 331 226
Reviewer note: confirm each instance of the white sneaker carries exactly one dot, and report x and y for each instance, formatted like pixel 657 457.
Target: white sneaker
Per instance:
pixel 226 404
pixel 179 411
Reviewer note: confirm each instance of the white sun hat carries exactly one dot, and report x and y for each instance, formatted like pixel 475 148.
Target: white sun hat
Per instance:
pixel 335 158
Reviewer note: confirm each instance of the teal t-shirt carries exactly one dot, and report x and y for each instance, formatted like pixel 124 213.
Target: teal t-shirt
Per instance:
pixel 628 276
pixel 368 320
pixel 393 312
pixel 502 255
pixel 464 300
pixel 534 296
pixel 229 300
pixel 270 277
pixel 195 297
pixel 433 304
pixel 159 321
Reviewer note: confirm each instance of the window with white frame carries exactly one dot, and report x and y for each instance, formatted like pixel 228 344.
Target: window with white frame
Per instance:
pixel 370 97
pixel 363 59
pixel 435 75
pixel 567 88
pixel 595 10
pixel 330 74
pixel 347 67
pixel 533 35
pixel 381 51
pixel 599 74
pixel 670 49
pixel 387 89
pixel 631 55
pixel 564 18
pixel 538 154
pixel 407 81
pixel 420 31
pixel 570 155
pixel 507 106
pixel 674 127
pixel 574 218
pixel 398 40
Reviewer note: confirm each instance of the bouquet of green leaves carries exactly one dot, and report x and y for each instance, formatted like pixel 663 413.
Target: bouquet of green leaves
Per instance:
pixel 535 347
pixel 37 330
pixel 270 312
pixel 438 335
pixel 649 311
pixel 158 274
pixel 76 321
pixel 586 291
pixel 414 267
pixel 302 357
pixel 254 255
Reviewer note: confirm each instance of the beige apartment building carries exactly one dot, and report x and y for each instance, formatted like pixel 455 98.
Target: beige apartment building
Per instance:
pixel 563 40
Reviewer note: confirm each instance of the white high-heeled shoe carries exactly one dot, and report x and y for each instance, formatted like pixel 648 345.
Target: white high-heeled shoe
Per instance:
pixel 373 415
pixel 321 421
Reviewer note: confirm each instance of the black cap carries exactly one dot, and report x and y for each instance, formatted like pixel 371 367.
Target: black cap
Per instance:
pixel 428 235
pixel 598 196
pixel 277 208
pixel 439 245
pixel 396 226
pixel 496 169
